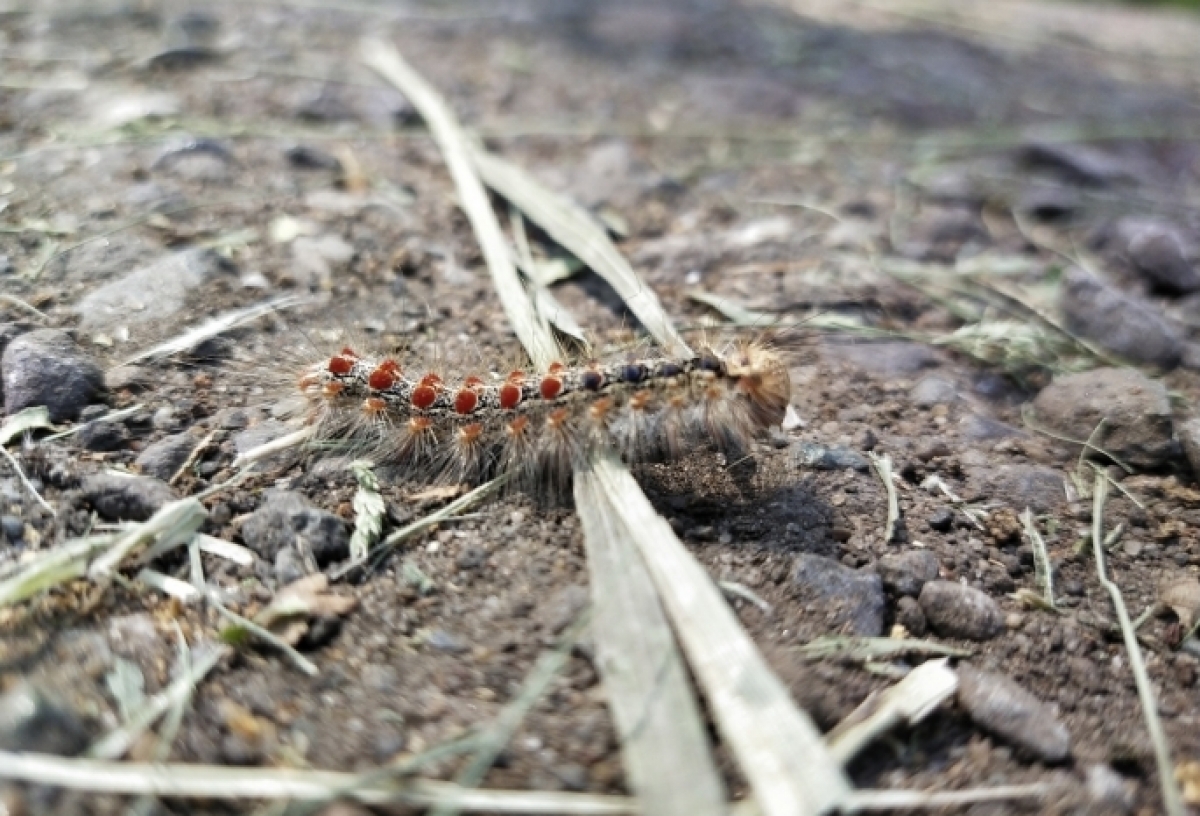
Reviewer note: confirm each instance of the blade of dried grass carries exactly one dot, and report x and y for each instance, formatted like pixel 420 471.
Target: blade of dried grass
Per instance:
pixel 494 739
pixel 176 521
pixel 57 566
pixel 663 742
pixel 1172 797
pixel 218 325
pixel 909 701
pixel 868 800
pixel 116 744
pixel 454 145
pixel 572 227
pixel 241 624
pixel 882 466
pixel 1041 558
pixel 535 336
pixel 779 750
pixel 221 782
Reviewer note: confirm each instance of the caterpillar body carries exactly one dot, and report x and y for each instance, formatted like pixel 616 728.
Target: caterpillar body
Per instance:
pixel 536 427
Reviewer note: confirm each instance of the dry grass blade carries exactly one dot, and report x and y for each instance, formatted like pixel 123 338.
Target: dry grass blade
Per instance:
pixel 1172 797
pixel 883 468
pixel 572 227
pixel 218 325
pixel 493 741
pixel 534 335
pixel 455 147
pixel 789 768
pixel 116 743
pixel 175 522
pixel 220 782
pixel 1043 570
pixel 663 739
pixel 57 566
pixel 909 701
pixel 30 419
pixel 869 800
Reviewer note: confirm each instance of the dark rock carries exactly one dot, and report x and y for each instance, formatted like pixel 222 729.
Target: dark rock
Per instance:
pixel 1136 412
pixel 910 616
pixel 1049 202
pixel 1158 251
pixel 562 608
pixel 163 458
pixel 819 457
pixel 103 435
pixel 126 498
pixel 471 558
pixel 305 157
pixel 1001 706
pixel 46 367
pixel 31 721
pixel 894 359
pixel 955 610
pixel 1189 437
pixel 905 573
pixel 932 391
pixel 1123 324
pixel 931 448
pixel 13 528
pixel 848 598
pixel 266 431
pixel 286 519
pixel 1021 486
pixel 941 520
pixel 1076 162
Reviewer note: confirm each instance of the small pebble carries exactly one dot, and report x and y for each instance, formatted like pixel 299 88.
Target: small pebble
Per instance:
pixel 848 598
pixel 103 435
pixel 287 520
pixel 956 610
pixel 31 721
pixel 1001 706
pixel 819 457
pixel 13 528
pixel 941 520
pixel 128 498
pixel 163 458
pixel 907 572
pixel 46 367
pixel 910 616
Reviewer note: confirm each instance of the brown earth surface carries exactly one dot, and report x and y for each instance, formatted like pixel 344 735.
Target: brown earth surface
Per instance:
pixel 797 159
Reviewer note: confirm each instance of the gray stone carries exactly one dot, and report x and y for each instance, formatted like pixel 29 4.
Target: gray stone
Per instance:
pixel 1135 409
pixel 1034 486
pixel 819 457
pixel 979 428
pixel 1001 706
pixel 1076 162
pixel 128 498
pixel 13 528
pixel 163 458
pixel 1123 324
pixel 932 391
pixel 955 610
pixel 443 641
pixel 1189 437
pixel 127 378
pixel 289 566
pixel 46 367
pixel 286 519
pixel 1107 790
pixel 910 616
pixel 151 292
pixel 905 573
pixel 1158 250
pixel 890 359
pixel 103 435
pixel 849 599
pixel 31 721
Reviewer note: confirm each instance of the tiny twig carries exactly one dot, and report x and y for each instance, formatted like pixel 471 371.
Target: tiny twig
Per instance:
pixel 882 465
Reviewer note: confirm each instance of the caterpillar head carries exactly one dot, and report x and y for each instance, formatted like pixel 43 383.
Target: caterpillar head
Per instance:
pixel 762 378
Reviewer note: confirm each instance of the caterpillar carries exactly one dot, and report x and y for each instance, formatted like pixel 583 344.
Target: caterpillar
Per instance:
pixel 536 427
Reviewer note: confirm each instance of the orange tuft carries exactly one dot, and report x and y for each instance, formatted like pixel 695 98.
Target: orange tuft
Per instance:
pixel 558 419
pixel 373 406
pixel 762 378
pixel 332 389
pixel 600 409
pixel 470 433
pixel 431 380
pixel 516 377
pixel 472 382
pixel 420 424
pixel 349 352
pixel 640 401
pixel 517 427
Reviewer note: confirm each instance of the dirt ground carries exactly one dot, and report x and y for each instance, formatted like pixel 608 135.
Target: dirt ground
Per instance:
pixel 806 159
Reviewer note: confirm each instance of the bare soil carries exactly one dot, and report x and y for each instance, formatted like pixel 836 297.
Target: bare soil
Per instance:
pixel 684 121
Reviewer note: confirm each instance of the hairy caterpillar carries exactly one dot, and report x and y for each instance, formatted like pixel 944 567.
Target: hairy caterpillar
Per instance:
pixel 536 427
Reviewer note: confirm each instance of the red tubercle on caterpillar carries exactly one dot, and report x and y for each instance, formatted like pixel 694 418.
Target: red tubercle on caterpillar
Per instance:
pixel 423 397
pixel 385 376
pixel 465 401
pixel 342 364
pixel 510 396
pixel 550 386
pixel 556 368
